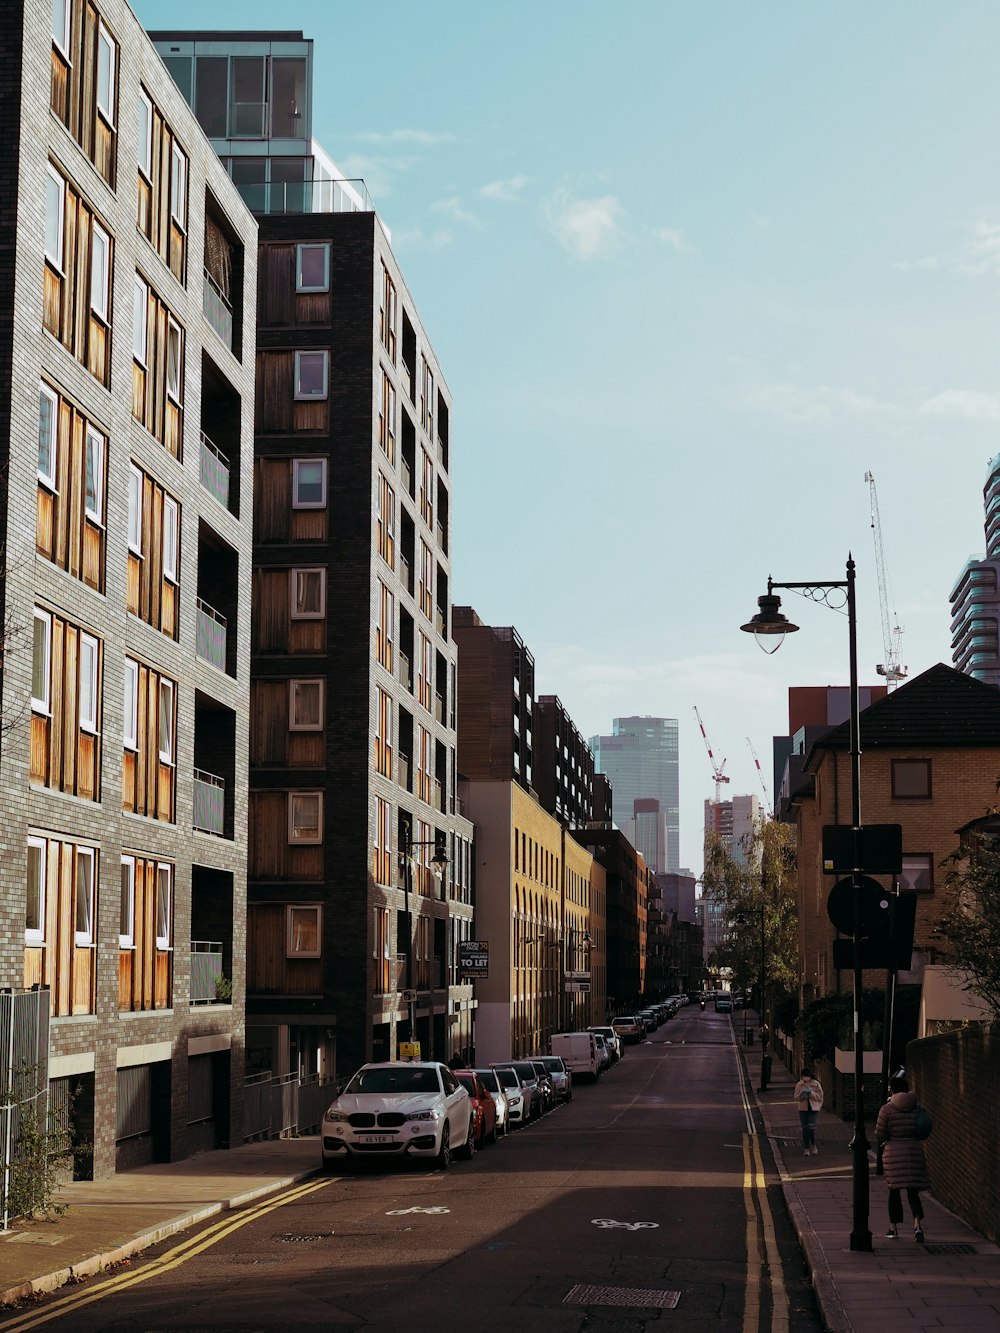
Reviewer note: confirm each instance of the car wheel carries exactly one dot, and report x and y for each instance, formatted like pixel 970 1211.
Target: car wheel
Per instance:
pixel 443 1159
pixel 469 1151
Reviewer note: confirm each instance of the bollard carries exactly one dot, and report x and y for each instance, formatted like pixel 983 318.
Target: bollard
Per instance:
pixel 765 1072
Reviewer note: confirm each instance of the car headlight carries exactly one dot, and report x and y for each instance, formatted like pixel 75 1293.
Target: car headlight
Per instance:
pixel 335 1115
pixel 432 1113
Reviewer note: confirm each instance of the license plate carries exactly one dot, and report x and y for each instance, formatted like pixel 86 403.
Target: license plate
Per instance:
pixel 376 1138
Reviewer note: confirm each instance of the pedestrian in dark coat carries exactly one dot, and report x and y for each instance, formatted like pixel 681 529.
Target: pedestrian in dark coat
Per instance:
pixel 903 1155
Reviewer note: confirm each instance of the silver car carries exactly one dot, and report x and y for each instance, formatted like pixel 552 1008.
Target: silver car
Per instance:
pixel 501 1099
pixel 562 1079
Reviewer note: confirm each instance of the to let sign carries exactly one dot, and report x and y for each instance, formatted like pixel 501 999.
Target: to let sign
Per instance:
pixel 474 959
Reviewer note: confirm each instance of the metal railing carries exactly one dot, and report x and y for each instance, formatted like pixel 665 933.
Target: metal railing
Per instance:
pixel 206 970
pixel 217 310
pixel 322 196
pixel 280 1105
pixel 213 470
pixel 24 1084
pixel 210 634
pixel 209 815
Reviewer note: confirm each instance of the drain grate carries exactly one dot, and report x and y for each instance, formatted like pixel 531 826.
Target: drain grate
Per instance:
pixel 584 1294
pixel 293 1238
pixel 951 1247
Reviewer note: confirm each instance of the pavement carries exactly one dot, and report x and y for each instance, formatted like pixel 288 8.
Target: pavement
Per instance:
pixel 951 1281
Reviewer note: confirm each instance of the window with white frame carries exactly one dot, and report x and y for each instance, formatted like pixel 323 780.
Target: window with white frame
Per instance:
pixel 145 135
pixel 126 910
pixel 917 874
pixel 34 907
pixel 308 483
pixel 100 271
pixel 140 319
pixel 311 374
pixel 308 592
pixel 175 352
pixel 166 721
pixel 304 931
pixel 312 267
pixel 305 705
pixel 41 663
pixel 178 185
pixel 48 428
pixel 170 538
pixel 61 11
pixel 86 861
pixel 89 661
pixel 305 817
pixel 134 510
pixel 164 905
pixel 130 722
pixel 106 53
pixel 55 217
pixel 94 478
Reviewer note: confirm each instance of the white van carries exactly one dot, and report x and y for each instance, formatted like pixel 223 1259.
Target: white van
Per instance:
pixel 579 1053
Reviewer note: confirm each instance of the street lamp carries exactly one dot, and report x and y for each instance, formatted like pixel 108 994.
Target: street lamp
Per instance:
pixel 438 860
pixel 769 627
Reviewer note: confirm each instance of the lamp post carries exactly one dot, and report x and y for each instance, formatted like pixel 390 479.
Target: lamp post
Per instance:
pixel 440 860
pixel 769 627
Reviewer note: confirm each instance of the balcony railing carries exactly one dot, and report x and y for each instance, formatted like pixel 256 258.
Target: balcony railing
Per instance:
pixel 213 470
pixel 209 803
pixel 217 310
pixel 322 196
pixel 210 635
pixel 206 971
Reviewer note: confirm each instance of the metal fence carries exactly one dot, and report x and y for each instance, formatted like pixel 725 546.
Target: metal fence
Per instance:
pixel 24 1083
pixel 279 1105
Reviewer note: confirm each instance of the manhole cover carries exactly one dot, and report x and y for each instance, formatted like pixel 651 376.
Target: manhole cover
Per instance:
pixel 951 1247
pixel 584 1294
pixel 305 1236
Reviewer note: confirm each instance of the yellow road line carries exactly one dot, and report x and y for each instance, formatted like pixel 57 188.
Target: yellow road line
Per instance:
pixel 172 1259
pixel 751 1300
pixel 779 1296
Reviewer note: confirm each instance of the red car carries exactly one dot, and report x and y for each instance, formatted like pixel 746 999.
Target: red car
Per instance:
pixel 483 1106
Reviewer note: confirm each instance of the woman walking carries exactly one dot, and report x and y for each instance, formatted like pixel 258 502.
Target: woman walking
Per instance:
pixel 903 1156
pixel 809 1099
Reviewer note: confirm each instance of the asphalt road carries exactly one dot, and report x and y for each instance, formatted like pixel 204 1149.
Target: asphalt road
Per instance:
pixel 647 1201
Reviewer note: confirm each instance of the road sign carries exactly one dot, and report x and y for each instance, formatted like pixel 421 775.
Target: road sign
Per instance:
pixel 880 849
pixel 409 1050
pixel 474 959
pixel 408 996
pixel 579 986
pixel 874 907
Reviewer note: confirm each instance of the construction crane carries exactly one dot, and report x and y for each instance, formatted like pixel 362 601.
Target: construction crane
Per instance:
pixel 760 774
pixel 718 770
pixel 892 631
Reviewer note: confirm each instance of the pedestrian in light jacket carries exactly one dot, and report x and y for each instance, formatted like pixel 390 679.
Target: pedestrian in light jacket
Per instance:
pixel 809 1100
pixel 902 1156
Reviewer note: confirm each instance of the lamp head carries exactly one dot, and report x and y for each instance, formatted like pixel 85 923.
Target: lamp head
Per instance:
pixel 769 626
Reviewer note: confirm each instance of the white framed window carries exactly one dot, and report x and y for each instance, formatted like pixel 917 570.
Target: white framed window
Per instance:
pixel 170 538
pixel 130 722
pixel 305 817
pixel 175 348
pixel 90 656
pixel 308 483
pixel 34 906
pixel 305 705
pixel 312 373
pixel 55 217
pixel 94 478
pixel 144 128
pixel 135 488
pixel 178 185
pixel 48 427
pixel 312 267
pixel 83 908
pixel 308 592
pixel 106 52
pixel 305 931
pixel 100 271
pixel 126 911
pixel 41 663
pixel 166 721
pixel 140 320
pixel 164 905
pixel 61 10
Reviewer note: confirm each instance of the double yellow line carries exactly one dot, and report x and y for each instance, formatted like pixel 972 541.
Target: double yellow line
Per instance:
pixel 99 1290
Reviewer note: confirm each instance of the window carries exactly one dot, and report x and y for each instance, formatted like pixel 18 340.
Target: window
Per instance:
pixel 166 721
pixel 106 74
pixel 34 907
pixel 145 135
pixel 134 509
pixel 917 875
pixel 174 352
pixel 305 705
pixel 41 662
pixel 387 315
pixel 178 185
pixel 425 660
pixel 126 911
pixel 48 422
pixel 94 463
pixel 427 398
pixel 164 905
pixel 911 778
pixel 55 216
pixel 84 905
pixel 308 594
pixel 61 10
pixel 384 626
pixel 100 271
pixel 140 320
pixel 130 722
pixel 382 850
pixel 426 488
pixel 312 268
pixel 426 595
pixel 386 522
pixel 305 816
pixel 89 661
pixel 383 734
pixel 311 374
pixel 304 931
pixel 308 483
pixel 387 419
pixel 170 538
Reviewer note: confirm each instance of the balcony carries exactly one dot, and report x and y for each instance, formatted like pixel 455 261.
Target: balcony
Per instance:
pixel 213 470
pixel 210 635
pixel 297 197
pixel 206 971
pixel 217 310
pixel 209 815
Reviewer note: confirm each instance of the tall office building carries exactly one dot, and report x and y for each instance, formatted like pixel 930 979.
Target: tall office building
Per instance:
pixel 353 927
pixel 733 822
pixel 975 598
pixel 126 588
pixel 641 759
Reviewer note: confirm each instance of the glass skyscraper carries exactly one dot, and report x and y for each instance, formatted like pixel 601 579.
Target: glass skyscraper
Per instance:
pixel 640 758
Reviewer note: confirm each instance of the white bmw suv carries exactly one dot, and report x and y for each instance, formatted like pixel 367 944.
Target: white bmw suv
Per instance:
pixel 398 1110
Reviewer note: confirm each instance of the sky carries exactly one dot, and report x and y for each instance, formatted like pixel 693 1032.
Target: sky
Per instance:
pixel 691 269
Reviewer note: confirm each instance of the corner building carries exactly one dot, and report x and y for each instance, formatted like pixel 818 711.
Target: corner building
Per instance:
pixel 126 588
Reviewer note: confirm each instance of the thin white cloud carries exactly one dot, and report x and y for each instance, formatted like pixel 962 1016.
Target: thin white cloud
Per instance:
pixel 972 404
pixel 981 253
pixel 505 191
pixel 816 404
pixel 587 229
pixel 416 238
pixel 672 237
pixel 421 138
pixel 452 208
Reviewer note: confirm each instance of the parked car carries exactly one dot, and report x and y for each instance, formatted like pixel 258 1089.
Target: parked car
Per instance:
pixel 562 1079
pixel 544 1084
pixel 612 1038
pixel 579 1053
pixel 603 1051
pixel 528 1082
pixel 492 1084
pixel 399 1109
pixel 518 1098
pixel 648 1019
pixel 482 1106
pixel 723 1004
pixel 628 1028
